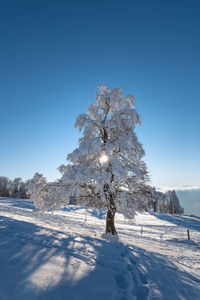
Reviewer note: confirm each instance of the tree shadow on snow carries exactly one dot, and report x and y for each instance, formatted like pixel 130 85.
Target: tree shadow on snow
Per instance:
pixel 185 242
pixel 38 263
pixel 183 221
pixel 17 202
pixel 95 212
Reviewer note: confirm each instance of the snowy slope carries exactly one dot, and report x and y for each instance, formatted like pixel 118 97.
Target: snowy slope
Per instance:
pixel 64 255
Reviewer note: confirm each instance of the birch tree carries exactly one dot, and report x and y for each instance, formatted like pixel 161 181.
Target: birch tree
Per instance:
pixel 107 165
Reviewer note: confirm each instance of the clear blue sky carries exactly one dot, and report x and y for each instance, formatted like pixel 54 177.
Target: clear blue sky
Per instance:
pixel 54 54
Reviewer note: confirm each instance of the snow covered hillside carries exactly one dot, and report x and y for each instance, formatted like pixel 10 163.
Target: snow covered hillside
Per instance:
pixel 64 255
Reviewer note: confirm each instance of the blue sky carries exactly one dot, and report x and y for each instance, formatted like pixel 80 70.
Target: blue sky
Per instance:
pixel 54 54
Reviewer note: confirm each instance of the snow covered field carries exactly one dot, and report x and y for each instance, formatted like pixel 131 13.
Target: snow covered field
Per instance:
pixel 64 255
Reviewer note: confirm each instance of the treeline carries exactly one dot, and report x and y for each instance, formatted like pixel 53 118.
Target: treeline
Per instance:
pixel 15 188
pixel 167 202
pixel 149 198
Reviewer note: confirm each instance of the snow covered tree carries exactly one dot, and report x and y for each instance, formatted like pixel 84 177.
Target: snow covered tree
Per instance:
pixel 107 170
pixel 15 185
pixel 167 202
pixel 46 196
pixel 4 186
pixel 174 206
pixel 37 189
pixel 22 191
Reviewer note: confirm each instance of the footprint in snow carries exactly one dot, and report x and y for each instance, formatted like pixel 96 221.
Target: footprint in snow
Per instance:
pixel 143 278
pixel 124 253
pixel 121 281
pixel 141 293
pixel 129 267
pixel 133 262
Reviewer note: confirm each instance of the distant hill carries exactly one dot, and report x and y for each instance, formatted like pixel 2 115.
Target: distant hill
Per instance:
pixel 190 200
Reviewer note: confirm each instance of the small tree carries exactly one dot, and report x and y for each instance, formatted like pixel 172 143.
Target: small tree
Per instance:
pixel 4 186
pixel 15 185
pixel 106 170
pixel 174 206
pixel 167 202
pixel 37 189
pixel 22 190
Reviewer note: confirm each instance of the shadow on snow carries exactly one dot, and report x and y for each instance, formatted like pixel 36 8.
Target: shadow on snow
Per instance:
pixel 35 265
pixel 184 221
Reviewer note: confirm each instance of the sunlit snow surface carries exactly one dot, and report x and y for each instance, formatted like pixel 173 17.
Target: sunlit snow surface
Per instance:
pixel 64 255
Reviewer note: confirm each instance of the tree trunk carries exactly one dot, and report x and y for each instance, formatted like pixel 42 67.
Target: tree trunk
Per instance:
pixel 110 225
pixel 155 206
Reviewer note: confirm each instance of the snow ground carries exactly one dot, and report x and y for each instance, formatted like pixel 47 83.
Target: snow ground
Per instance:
pixel 64 255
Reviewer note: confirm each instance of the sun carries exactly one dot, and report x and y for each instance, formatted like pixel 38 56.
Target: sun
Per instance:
pixel 103 159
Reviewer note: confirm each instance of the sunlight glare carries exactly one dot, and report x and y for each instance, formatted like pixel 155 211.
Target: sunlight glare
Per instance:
pixel 103 159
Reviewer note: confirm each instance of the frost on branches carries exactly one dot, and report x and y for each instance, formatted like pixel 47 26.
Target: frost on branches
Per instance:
pixel 107 170
pixel 46 196
pixel 167 202
pixel 37 190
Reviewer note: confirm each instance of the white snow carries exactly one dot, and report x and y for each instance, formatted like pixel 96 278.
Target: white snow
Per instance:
pixel 65 255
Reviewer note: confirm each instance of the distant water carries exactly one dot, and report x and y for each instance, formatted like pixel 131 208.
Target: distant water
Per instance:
pixel 190 201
